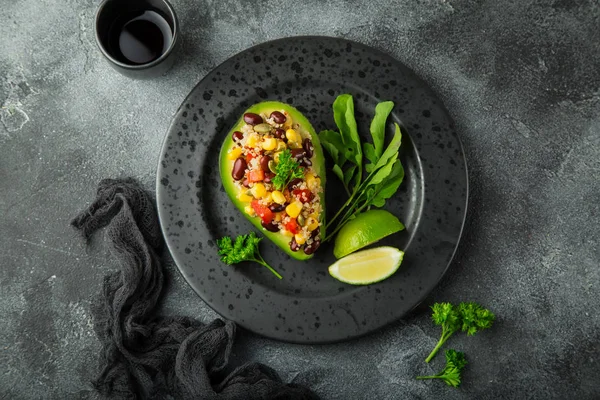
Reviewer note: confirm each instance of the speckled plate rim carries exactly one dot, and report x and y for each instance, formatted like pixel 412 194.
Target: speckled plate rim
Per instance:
pixel 178 261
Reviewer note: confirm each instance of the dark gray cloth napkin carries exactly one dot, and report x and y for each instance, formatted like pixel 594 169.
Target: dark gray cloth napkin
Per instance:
pixel 146 356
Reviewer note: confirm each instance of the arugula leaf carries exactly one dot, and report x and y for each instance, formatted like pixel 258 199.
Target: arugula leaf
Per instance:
pixel 338 172
pixel 348 174
pixel 389 186
pixel 369 152
pixel 382 110
pixel 245 248
pixel 373 151
pixel 332 142
pixel 391 150
pixel 334 145
pixel 287 168
pixel 385 173
pixel 343 114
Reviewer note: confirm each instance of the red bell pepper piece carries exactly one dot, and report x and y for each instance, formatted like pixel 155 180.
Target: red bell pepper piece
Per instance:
pixel 292 226
pixel 262 211
pixel 256 175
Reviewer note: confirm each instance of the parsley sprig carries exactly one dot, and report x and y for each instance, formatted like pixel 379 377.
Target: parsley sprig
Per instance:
pixel 455 362
pixel 245 248
pixel 469 317
pixel 287 168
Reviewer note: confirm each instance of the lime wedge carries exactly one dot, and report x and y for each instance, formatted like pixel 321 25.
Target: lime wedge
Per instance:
pixel 367 228
pixel 367 266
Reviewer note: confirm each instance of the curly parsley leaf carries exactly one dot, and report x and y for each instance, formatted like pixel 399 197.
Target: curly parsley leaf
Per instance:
pixel 451 374
pixel 475 318
pixel 468 317
pixel 287 168
pixel 448 317
pixel 245 248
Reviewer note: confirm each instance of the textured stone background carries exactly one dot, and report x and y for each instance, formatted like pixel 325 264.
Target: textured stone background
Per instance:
pixel 521 79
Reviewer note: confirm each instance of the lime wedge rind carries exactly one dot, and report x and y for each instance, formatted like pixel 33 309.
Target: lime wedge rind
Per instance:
pixel 367 228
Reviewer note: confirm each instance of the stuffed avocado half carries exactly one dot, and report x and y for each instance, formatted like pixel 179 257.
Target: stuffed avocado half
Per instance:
pixel 273 169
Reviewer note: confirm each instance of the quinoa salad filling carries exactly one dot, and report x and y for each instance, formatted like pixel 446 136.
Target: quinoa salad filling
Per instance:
pixel 293 211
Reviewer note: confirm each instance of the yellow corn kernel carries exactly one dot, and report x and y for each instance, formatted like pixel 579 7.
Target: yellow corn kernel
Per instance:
pixel 269 144
pixel 293 136
pixel 268 198
pixel 311 181
pixel 287 233
pixel 281 145
pixel 278 197
pixel 242 196
pixel 249 210
pixel 312 224
pixel 300 239
pixel 234 153
pixel 293 209
pixel 258 190
pixel 278 217
pixel 294 145
pixel 252 140
pixel 289 121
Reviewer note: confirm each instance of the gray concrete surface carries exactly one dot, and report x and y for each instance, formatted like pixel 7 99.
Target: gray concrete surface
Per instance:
pixel 521 79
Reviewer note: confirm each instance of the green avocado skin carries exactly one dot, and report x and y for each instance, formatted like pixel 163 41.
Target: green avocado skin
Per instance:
pixel 226 165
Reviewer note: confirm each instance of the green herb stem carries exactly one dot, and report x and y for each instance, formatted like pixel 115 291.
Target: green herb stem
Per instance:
pixel 344 220
pixel 346 204
pixel 349 201
pixel 445 336
pixel 264 264
pixel 347 189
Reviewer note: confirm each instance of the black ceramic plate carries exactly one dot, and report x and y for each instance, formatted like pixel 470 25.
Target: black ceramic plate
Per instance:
pixel 309 306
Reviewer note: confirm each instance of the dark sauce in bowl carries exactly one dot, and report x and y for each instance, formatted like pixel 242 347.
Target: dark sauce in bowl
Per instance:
pixel 140 37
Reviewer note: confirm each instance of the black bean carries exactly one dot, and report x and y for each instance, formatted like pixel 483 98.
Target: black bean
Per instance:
pixel 264 163
pixel 280 134
pixel 298 154
pixel 308 147
pixel 306 162
pixel 271 227
pixel 253 119
pixel 278 117
pixel 239 168
pixel 269 177
pixel 275 207
pixel 311 248
pixel 294 182
pixel 294 246
pixel 237 136
pixel 315 233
